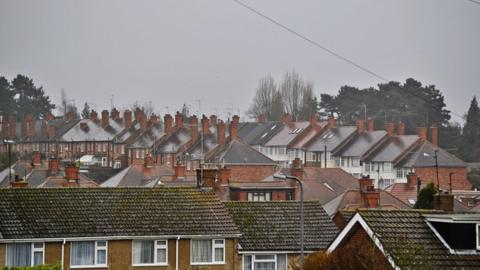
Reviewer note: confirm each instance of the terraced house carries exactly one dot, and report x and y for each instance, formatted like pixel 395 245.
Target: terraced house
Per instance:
pixel 116 228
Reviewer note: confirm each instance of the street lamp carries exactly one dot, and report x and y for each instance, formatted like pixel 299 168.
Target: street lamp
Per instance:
pixel 302 223
pixel 435 156
pixel 8 143
pixel 325 139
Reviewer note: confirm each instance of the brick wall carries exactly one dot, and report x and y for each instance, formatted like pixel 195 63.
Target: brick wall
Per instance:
pixel 248 173
pixel 459 178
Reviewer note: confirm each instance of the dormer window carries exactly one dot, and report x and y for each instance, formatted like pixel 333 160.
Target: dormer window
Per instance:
pixel 460 234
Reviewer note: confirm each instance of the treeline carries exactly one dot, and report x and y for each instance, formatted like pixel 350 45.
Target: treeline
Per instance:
pixel 410 102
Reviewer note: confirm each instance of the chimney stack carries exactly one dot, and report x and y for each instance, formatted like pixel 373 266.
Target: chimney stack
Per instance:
pixel 444 201
pixel 360 124
pixel 412 179
pixel 401 128
pixel 53 165
pixel 50 116
pixel 234 127
pixel 221 133
pixel 262 118
pixel 434 135
pixel 297 169
pixel 287 119
pixel 93 115
pixel 115 114
pixel 105 119
pixel 167 123
pixel 180 170
pixel 194 127
pixel 51 131
pixel 389 128
pixel 370 196
pixel 138 114
pixel 223 176
pixel 422 133
pixel 178 120
pixel 71 176
pixel 314 123
pixel 70 116
pixel 127 117
pixel 148 161
pixel 154 119
pixel 43 130
pixel 213 120
pixel 143 122
pixel 365 182
pixel 370 124
pixel 36 159
pixel 205 126
pixel 331 121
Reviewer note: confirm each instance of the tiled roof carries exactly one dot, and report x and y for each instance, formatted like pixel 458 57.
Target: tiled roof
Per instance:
pixel 399 228
pixel 258 133
pixel 148 138
pixel 275 225
pixel 393 148
pixel 237 152
pixel 361 143
pixel 94 131
pixel 137 175
pixel 287 134
pixel 176 140
pixel 96 212
pixel 423 156
pixel 333 138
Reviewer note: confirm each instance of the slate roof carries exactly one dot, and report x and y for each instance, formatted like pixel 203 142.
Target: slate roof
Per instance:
pixel 416 157
pixel 237 153
pixel 258 133
pixel 176 140
pixel 136 175
pixel 103 212
pixel 287 134
pixel 149 137
pixel 95 131
pixel 209 143
pixel 361 143
pixel 274 225
pixel 394 227
pixel 393 148
pixel 333 138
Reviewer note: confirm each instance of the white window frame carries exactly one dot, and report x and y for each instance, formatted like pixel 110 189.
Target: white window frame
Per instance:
pixel 259 196
pixel 33 249
pixel 214 245
pixel 255 260
pixel 95 255
pixel 156 247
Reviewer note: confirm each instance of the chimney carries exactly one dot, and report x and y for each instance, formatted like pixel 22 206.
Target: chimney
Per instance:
pixel 194 127
pixel 236 119
pixel 143 122
pixel 70 116
pixel 370 124
pixel 93 116
pixel 287 119
pixel 127 118
pixel 115 114
pixel 223 176
pixel 370 197
pixel 71 176
pixel 53 165
pixel 52 131
pixel 389 128
pixel 213 120
pixel 444 201
pixel 138 114
pixel 36 159
pixel 167 123
pixel 233 129
pixel 360 125
pixel 205 127
pixel 12 127
pixel 422 133
pixel 19 183
pixel 365 182
pixel 180 170
pixel 154 119
pixel 105 119
pixel 314 123
pixel 434 135
pixel 221 133
pixel 262 118
pixel 178 120
pixel 412 179
pixel 50 116
pixel 297 169
pixel 401 128
pixel 210 178
pixel 331 121
pixel 148 161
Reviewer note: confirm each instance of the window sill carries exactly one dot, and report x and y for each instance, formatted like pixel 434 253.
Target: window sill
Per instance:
pixel 207 263
pixel 149 264
pixel 88 266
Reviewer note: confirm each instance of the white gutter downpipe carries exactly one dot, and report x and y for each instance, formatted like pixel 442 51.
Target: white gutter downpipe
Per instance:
pixel 63 251
pixel 176 253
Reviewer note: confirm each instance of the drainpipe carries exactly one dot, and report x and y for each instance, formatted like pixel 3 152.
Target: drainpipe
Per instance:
pixel 63 251
pixel 176 253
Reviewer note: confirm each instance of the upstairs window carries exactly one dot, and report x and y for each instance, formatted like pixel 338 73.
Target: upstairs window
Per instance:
pixel 265 262
pixel 207 251
pixel 25 254
pixel 149 252
pixel 259 196
pixel 89 253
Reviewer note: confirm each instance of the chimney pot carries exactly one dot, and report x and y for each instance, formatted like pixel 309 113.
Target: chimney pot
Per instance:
pixel 127 117
pixel 401 128
pixel 205 126
pixel 36 159
pixel 115 114
pixel 331 121
pixel 234 127
pixel 143 122
pixel 194 127
pixel 93 116
pixel 287 119
pixel 389 128
pixel 148 161
pixel 370 124
pixel 422 133
pixel 213 120
pixel 180 170
pixel 71 173
pixel 154 119
pixel 53 165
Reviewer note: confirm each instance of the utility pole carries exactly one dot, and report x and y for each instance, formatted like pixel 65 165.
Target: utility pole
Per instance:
pixel 201 141
pixel 436 169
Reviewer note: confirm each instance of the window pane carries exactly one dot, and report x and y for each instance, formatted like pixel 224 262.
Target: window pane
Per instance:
pixel 201 250
pixel 219 254
pixel 19 254
pixel 37 258
pixel 161 255
pixel 218 242
pixel 143 251
pixel 264 257
pixel 38 245
pixel 281 262
pixel 101 256
pixel 265 266
pixel 247 262
pixel 101 244
pixel 162 243
pixel 83 253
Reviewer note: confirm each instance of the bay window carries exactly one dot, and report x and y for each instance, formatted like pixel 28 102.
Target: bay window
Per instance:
pixel 209 251
pixel 25 254
pixel 89 253
pixel 265 262
pixel 150 252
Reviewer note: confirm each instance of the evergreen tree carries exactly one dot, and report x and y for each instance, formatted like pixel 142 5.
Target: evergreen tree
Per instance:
pixel 86 111
pixel 425 198
pixel 470 140
pixel 7 102
pixel 31 99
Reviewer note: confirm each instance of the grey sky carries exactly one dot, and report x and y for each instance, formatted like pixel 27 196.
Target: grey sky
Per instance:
pixel 170 52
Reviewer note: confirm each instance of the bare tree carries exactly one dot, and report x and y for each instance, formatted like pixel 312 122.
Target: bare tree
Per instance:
pixel 298 96
pixel 267 100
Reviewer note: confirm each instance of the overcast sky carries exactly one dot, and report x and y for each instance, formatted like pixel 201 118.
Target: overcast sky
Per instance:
pixel 171 52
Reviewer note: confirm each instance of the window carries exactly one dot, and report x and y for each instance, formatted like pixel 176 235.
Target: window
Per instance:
pixel 387 167
pixel 206 251
pixel 356 162
pixel 25 254
pixel 150 252
pixel 265 262
pixel 89 253
pixel 259 196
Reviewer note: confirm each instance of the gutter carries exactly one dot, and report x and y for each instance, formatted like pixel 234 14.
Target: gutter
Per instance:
pixel 176 253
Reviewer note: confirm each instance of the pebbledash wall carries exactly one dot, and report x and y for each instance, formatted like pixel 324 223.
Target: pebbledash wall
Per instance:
pixel 120 256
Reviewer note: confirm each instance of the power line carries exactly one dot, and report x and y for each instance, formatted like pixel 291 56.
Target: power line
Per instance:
pixel 314 43
pixel 475 1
